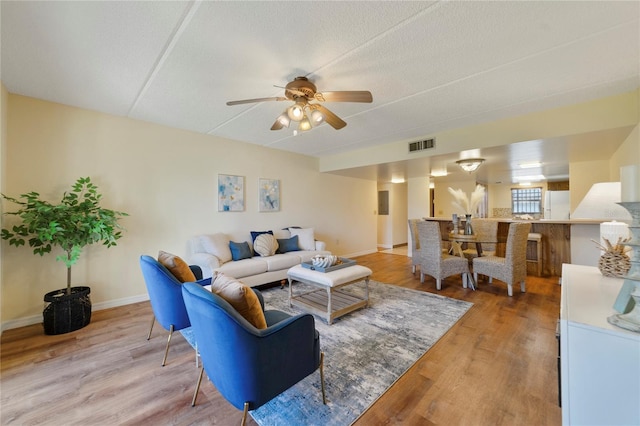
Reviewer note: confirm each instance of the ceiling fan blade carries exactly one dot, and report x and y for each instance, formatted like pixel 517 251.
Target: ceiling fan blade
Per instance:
pixel 345 96
pixel 333 120
pixel 250 101
pixel 277 125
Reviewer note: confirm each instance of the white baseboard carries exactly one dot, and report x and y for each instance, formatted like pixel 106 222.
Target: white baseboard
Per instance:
pixel 37 319
pixel 359 253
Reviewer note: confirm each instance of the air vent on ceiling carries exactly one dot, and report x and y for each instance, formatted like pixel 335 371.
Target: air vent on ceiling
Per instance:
pixel 421 145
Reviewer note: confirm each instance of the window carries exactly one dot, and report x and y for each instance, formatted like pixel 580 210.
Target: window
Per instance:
pixel 526 201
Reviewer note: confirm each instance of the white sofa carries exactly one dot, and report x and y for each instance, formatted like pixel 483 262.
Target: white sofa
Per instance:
pixel 212 252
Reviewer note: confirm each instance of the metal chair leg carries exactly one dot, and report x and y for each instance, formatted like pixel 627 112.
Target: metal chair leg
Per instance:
pixel 244 413
pixel 195 394
pixel 324 398
pixel 153 319
pixel 166 351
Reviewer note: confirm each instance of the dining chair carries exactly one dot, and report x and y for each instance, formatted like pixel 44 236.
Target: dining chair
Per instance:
pixel 435 262
pixel 486 231
pixel 416 256
pixel 512 268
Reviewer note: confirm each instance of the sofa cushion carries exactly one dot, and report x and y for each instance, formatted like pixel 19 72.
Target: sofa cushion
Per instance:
pixel 288 244
pixel 176 266
pixel 240 251
pixel 244 268
pixel 306 239
pixel 241 297
pixel 217 245
pixel 265 245
pixel 281 261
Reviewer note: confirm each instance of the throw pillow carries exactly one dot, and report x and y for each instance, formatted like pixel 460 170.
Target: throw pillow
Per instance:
pixel 217 245
pixel 176 266
pixel 254 234
pixel 306 240
pixel 240 251
pixel 241 297
pixel 288 244
pixel 265 245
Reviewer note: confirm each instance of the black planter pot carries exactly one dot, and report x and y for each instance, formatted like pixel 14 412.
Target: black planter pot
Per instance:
pixel 66 313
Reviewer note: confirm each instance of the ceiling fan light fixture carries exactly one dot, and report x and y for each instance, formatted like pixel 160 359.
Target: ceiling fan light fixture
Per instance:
pixel 317 117
pixel 295 112
pixel 284 119
pixel 470 164
pixel 304 125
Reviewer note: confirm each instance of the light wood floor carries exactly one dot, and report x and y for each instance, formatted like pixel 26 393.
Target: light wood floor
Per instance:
pixel 496 366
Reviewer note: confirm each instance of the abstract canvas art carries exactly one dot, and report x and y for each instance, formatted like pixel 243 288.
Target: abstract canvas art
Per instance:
pixel 269 195
pixel 230 193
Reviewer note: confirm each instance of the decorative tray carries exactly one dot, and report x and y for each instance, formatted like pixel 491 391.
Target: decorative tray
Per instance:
pixel 345 263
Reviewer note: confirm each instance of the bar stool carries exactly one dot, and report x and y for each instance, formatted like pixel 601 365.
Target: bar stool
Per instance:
pixel 537 239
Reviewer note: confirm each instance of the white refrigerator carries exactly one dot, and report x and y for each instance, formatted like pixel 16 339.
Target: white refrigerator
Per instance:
pixel 557 205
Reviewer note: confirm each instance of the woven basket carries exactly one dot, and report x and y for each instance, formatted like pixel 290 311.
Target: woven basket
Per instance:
pixel 614 264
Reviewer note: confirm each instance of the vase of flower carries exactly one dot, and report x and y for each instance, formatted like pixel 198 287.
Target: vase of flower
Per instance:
pixel 468 229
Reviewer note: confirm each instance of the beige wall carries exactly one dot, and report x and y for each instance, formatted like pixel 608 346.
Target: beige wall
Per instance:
pixel 627 154
pixel 4 98
pixel 392 228
pixel 166 180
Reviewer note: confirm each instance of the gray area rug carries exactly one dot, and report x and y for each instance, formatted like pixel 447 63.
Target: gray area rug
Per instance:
pixel 366 351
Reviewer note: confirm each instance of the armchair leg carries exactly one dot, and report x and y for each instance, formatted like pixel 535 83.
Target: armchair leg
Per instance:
pixel 195 394
pixel 244 413
pixel 324 398
pixel 153 319
pixel 166 351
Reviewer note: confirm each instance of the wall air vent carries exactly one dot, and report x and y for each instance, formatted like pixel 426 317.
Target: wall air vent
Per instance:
pixel 422 145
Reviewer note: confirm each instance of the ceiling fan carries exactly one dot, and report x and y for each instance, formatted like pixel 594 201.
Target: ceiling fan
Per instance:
pixel 306 110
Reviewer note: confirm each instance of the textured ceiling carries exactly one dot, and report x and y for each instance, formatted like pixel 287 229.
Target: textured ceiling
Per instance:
pixel 431 66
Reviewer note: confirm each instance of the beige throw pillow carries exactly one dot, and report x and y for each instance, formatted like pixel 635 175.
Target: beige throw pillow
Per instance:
pixel 241 297
pixel 176 266
pixel 265 245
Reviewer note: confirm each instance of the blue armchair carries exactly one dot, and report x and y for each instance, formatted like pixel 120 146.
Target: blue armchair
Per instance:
pixel 165 294
pixel 249 366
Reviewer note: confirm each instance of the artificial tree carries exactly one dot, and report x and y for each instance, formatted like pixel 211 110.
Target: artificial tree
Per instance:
pixel 74 223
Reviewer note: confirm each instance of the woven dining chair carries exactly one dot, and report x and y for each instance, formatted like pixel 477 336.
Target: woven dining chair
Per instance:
pixel 486 231
pixel 434 262
pixel 416 256
pixel 512 268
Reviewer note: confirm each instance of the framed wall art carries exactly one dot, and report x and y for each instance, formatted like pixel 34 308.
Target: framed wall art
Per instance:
pixel 230 193
pixel 269 195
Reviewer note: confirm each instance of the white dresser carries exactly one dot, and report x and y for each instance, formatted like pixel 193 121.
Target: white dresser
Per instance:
pixel 599 362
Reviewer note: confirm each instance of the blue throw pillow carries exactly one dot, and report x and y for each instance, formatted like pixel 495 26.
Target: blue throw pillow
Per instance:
pixel 240 250
pixel 288 244
pixel 254 234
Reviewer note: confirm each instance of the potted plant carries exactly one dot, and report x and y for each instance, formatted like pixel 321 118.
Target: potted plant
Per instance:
pixel 77 221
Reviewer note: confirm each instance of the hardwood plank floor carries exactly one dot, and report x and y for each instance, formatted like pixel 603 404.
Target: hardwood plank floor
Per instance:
pixel 496 366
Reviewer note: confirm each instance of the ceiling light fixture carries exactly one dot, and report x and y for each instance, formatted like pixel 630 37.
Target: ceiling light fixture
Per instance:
pixel 284 119
pixel 532 178
pixel 304 125
pixel 316 117
pixel 470 164
pixel 530 165
pixel 296 111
